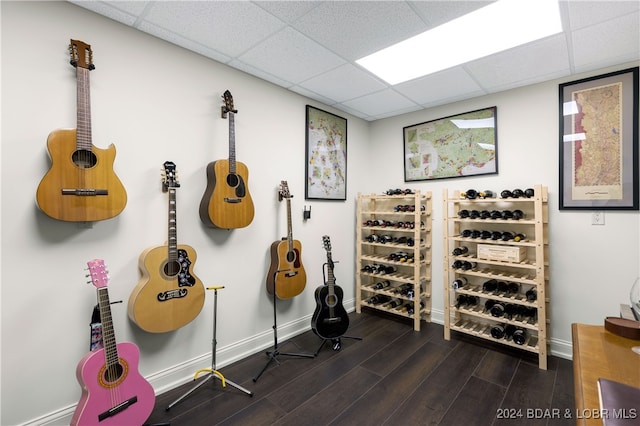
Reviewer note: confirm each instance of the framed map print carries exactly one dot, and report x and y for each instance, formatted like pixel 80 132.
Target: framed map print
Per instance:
pixel 326 166
pixel 599 142
pixel 455 146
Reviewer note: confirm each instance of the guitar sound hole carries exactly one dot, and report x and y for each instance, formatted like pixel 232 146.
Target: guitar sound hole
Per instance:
pixel 331 300
pixel 171 268
pixel 113 373
pixel 291 256
pixel 84 159
pixel 232 180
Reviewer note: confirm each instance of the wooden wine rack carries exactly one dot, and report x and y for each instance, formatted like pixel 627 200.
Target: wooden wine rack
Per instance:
pixel 530 273
pixel 415 275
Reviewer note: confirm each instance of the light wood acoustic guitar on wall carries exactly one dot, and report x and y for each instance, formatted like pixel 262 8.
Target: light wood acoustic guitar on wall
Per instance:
pixel 80 185
pixel 286 276
pixel 114 392
pixel 226 202
pixel 169 295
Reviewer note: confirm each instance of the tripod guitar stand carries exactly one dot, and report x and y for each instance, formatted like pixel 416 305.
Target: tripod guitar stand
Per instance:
pixel 273 354
pixel 211 372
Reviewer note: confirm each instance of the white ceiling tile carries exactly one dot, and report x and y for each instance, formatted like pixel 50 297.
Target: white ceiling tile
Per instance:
pixel 612 42
pixel 288 11
pixel 343 83
pixel 453 83
pixel 354 29
pixel 291 56
pixel 215 23
pixel 587 13
pixel 312 95
pixel 125 12
pixel 259 73
pixel 439 12
pixel 380 103
pixel 542 60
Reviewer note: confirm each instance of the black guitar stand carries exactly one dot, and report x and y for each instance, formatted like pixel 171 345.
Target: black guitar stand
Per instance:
pixel 211 372
pixel 273 354
pixel 336 342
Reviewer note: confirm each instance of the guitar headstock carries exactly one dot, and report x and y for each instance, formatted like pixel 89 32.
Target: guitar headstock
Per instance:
pixel 98 273
pixel 284 191
pixel 228 104
pixel 326 241
pixel 169 176
pixel 81 54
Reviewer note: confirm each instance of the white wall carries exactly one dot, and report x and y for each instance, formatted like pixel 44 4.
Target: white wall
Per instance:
pixel 157 102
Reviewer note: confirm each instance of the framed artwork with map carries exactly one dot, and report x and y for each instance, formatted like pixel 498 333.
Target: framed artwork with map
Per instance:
pixel 459 145
pixel 326 152
pixel 599 142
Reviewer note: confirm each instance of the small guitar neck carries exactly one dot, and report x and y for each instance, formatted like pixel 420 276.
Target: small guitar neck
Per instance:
pixel 232 144
pixel 108 335
pixel 289 227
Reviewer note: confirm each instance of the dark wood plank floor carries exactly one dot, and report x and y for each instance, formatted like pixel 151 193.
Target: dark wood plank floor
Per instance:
pixel 393 376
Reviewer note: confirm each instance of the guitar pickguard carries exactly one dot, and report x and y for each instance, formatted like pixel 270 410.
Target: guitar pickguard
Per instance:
pixel 184 276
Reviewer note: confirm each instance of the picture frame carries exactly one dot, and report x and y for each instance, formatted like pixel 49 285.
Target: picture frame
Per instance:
pixel 326 155
pixel 599 142
pixel 455 146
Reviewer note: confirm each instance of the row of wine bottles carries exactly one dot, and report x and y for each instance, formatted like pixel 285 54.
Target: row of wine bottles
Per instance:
pixel 497 308
pixel 407 289
pixel 382 300
pixel 509 332
pixel 516 214
pixel 493 235
pixel 403 257
pixel 379 268
pixel 391 224
pixel 472 194
pixel 386 239
pixel 407 208
pixel 399 191
pixel 506 288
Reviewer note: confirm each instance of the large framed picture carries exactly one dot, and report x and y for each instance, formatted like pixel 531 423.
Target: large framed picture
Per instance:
pixel 326 152
pixel 455 146
pixel 599 142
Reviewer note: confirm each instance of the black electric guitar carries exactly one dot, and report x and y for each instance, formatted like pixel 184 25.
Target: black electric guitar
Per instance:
pixel 330 319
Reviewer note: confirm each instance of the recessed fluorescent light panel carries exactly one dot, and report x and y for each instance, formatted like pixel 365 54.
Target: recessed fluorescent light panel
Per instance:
pixel 491 29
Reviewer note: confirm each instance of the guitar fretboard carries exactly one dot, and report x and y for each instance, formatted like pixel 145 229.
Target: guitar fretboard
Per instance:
pixel 172 239
pixel 232 144
pixel 108 335
pixel 83 136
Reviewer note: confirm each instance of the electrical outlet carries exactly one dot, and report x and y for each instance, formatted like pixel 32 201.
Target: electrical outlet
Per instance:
pixel 597 218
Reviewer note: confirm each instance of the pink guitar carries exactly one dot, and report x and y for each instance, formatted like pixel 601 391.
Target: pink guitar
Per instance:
pixel 113 391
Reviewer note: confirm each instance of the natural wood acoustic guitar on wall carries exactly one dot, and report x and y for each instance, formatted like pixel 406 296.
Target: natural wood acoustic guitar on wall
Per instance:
pixel 114 392
pixel 226 202
pixel 286 276
pixel 80 185
pixel 169 295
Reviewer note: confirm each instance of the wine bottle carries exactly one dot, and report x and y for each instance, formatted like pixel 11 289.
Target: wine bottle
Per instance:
pixel 372 238
pixel 468 265
pixel 517 193
pixel 485 235
pixel 460 251
pixel 506 194
pixel 382 284
pixel 459 283
pixel 497 331
pixel 507 214
pixel 490 285
pixel 519 336
pixel 518 214
pixel 506 236
pixel 496 235
pixel 497 309
pixel 496 214
pixel 531 294
pixel 470 194
pixel 519 237
pixel 529 193
pixel 463 214
pixel 474 214
pixel 485 214
pixel 475 233
pixel 487 194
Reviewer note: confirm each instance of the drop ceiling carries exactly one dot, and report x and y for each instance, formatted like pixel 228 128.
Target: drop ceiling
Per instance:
pixel 310 47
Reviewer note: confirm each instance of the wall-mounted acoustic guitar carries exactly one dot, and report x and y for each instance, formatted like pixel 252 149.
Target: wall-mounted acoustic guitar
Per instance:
pixel 226 202
pixel 113 391
pixel 330 320
pixel 81 185
pixel 286 276
pixel 169 295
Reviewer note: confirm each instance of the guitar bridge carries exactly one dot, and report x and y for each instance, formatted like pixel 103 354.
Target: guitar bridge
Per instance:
pixel 118 408
pixel 232 200
pixel 85 192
